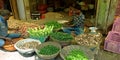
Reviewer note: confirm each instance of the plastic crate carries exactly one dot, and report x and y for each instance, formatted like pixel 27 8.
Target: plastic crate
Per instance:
pixel 116 24
pixel 116 27
pixel 47 57
pixel 112 42
pixel 117 19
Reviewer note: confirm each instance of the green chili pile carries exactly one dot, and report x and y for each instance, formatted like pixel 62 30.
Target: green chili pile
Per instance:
pixel 48 50
pixel 76 55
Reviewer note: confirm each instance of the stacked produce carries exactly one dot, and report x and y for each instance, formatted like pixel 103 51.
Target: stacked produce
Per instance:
pixel 14 24
pixel 76 55
pixel 48 50
pixel 23 29
pixel 89 39
pixel 55 24
pixel 21 26
pixel 39 33
pixel 60 36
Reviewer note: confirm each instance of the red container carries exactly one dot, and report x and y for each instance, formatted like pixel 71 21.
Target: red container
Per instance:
pixel 112 42
pixel 42 16
pixel 42 7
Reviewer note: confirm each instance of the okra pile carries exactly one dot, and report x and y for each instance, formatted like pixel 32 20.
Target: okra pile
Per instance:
pixel 38 32
pixel 48 50
pixel 61 36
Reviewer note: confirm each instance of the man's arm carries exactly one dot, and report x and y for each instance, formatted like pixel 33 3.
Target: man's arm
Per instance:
pixel 6 38
pixel 2 37
pixel 68 24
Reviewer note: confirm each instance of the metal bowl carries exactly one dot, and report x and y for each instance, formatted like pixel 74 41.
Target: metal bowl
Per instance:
pixel 27 51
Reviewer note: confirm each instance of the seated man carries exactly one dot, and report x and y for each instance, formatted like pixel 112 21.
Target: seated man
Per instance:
pixel 4 16
pixel 76 23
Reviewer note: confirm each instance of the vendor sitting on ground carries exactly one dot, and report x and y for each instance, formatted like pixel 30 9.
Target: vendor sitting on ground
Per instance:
pixel 4 16
pixel 77 22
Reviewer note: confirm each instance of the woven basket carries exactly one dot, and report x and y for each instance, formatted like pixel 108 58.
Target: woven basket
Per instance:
pixel 47 56
pixel 63 43
pixel 65 51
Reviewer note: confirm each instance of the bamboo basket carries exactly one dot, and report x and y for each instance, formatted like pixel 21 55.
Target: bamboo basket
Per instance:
pixel 63 43
pixel 47 56
pixel 65 51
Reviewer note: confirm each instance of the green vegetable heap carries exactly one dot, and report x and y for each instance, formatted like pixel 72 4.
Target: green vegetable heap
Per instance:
pixel 76 55
pixel 48 50
pixel 61 36
pixel 55 24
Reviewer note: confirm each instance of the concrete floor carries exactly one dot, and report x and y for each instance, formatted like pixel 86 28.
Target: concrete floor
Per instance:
pixel 102 55
pixel 105 55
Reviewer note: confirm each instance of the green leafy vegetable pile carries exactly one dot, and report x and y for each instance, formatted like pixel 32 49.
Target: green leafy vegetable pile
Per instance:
pixel 76 55
pixel 54 23
pixel 48 50
pixel 61 36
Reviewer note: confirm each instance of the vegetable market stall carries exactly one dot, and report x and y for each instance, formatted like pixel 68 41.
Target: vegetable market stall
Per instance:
pixel 31 27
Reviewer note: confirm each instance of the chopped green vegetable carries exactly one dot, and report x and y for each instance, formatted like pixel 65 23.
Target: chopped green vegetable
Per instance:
pixel 48 50
pixel 76 55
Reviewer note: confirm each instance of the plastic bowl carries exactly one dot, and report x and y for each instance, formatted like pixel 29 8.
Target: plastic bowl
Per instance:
pixel 25 51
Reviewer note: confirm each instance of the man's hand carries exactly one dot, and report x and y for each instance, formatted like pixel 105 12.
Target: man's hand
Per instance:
pixel 9 39
pixel 15 30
